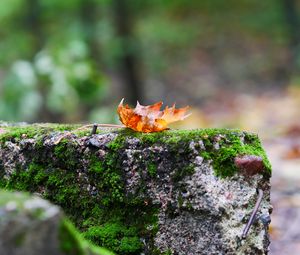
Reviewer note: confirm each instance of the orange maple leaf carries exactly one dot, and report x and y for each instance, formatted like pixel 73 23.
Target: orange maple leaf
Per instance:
pixel 150 118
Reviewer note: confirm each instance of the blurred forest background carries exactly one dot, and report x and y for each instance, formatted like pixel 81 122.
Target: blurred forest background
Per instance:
pixel 235 62
pixel 73 60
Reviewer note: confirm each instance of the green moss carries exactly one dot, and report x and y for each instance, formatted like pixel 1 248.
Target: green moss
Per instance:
pixel 232 146
pixel 122 238
pixel 55 184
pixel 96 166
pixel 6 197
pixel 122 221
pixel 18 132
pixel 120 228
pixel 230 142
pixel 152 169
pixel 71 243
pixel 66 154
pixel 19 239
pixel 109 177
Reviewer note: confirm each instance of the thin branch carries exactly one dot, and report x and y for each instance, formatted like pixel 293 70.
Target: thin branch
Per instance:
pixel 252 217
pixel 100 125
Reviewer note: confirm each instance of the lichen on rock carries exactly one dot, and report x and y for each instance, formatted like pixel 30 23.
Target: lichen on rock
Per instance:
pixel 172 192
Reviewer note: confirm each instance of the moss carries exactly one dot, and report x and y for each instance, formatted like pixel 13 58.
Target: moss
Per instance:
pixel 66 154
pixel 122 238
pixel 6 197
pixel 71 243
pixel 16 133
pixel 121 228
pixel 180 200
pixel 55 184
pixel 96 166
pixel 152 169
pixel 19 239
pixel 121 220
pixel 232 146
pixel 109 177
pixel 230 141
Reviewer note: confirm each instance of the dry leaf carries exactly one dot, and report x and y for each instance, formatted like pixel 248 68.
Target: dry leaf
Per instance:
pixel 150 118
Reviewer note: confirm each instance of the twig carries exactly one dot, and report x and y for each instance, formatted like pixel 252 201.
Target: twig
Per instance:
pixel 252 217
pixel 100 125
pixel 94 129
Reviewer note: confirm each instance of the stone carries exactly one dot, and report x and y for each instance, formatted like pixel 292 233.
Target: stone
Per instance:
pixel 30 225
pixel 173 192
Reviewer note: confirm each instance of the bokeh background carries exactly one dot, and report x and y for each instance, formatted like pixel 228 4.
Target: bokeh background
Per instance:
pixel 235 62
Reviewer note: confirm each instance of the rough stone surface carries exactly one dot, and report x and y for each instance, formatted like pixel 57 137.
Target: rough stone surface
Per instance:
pixel 28 228
pixel 212 216
pixel 168 177
pixel 30 225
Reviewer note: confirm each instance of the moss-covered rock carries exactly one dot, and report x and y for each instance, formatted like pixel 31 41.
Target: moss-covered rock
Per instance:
pixel 30 225
pixel 133 192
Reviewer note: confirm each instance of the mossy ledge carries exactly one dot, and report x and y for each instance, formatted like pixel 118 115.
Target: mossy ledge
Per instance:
pixel 115 185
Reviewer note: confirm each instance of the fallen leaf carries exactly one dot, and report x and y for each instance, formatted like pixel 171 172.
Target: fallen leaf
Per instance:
pixel 150 118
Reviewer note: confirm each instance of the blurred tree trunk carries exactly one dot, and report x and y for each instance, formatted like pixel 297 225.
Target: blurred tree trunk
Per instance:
pixel 88 13
pixel 128 61
pixel 293 26
pixel 34 25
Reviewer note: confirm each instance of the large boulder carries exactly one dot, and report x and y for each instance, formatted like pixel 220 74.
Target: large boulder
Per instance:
pixel 173 192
